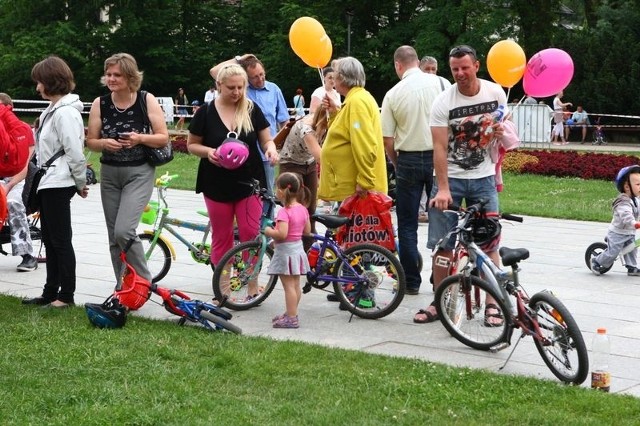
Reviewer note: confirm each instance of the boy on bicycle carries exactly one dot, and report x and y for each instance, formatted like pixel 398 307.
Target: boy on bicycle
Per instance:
pixel 623 225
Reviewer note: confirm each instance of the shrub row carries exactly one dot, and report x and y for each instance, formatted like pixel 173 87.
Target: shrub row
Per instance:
pixel 585 165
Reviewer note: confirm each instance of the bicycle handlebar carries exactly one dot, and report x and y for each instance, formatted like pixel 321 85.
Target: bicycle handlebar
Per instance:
pixel 165 179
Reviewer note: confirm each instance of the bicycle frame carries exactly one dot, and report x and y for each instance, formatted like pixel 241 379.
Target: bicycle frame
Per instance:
pixel 167 223
pixel 506 282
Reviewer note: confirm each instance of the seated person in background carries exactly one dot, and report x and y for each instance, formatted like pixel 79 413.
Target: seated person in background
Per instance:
pixel 581 119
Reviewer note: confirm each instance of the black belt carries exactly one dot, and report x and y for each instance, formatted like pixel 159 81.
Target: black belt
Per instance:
pixel 428 151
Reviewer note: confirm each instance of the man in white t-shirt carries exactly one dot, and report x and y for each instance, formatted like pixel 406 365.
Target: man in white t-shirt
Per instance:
pixel 407 138
pixel 558 119
pixel 463 130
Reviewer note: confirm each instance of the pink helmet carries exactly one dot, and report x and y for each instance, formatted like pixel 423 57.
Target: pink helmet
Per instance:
pixel 233 152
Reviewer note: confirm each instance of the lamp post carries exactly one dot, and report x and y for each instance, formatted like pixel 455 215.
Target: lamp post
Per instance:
pixel 349 13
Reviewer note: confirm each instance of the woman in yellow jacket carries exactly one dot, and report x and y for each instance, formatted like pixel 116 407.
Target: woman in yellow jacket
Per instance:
pixel 353 159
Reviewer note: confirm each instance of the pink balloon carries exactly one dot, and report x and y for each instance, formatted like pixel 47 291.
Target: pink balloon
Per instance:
pixel 548 72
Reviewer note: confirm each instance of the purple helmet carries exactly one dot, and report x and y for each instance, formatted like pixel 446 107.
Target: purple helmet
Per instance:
pixel 233 152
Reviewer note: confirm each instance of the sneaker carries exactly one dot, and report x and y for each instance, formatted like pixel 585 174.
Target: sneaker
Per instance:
pixel 633 271
pixel 595 267
pixel 287 322
pixel 29 263
pixel 423 218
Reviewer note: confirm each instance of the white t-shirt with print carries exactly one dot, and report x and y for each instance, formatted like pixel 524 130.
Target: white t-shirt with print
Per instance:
pixel 469 121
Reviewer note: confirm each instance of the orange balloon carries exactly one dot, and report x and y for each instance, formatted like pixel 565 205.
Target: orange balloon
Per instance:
pixel 320 57
pixel 506 62
pixel 309 41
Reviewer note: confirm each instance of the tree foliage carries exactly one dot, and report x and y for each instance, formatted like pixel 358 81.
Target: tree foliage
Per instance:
pixel 177 41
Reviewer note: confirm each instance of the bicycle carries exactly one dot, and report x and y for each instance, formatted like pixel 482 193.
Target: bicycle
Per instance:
pixel 367 278
pixel 135 291
pixel 598 247
pixel 35 232
pixel 460 305
pixel 158 250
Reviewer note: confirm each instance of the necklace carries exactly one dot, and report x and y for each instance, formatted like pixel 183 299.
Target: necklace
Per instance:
pixel 127 107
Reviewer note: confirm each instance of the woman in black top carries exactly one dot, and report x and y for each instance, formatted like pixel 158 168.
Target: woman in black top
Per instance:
pixel 118 129
pixel 228 193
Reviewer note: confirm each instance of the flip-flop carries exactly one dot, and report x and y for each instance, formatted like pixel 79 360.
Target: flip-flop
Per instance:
pixel 496 315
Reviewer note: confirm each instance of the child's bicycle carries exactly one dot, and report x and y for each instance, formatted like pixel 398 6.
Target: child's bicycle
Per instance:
pixel 134 292
pixel 158 250
pixel 367 278
pixel 598 247
pixel 460 302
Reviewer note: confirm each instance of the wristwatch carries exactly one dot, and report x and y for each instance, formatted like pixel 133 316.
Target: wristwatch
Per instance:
pixel 238 58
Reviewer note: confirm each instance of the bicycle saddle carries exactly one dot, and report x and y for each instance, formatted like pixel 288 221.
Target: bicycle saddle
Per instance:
pixel 331 221
pixel 511 257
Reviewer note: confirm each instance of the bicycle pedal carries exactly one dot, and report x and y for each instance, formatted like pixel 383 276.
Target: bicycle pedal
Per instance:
pixel 307 288
pixel 499 347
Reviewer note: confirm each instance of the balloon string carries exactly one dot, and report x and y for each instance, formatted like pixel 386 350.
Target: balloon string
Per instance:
pixel 326 94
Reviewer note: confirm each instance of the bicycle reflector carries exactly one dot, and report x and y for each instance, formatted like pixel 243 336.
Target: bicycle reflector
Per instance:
pixel 135 289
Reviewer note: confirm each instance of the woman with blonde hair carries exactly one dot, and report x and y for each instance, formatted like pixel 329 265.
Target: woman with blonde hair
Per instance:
pixel 227 192
pixel 119 129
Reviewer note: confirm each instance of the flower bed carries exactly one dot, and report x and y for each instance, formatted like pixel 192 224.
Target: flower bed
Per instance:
pixel 585 165
pixel 179 143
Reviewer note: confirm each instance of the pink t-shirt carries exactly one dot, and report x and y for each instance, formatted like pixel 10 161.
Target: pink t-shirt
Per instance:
pixel 296 216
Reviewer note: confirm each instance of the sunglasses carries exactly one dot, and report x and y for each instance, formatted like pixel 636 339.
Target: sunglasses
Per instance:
pixel 462 50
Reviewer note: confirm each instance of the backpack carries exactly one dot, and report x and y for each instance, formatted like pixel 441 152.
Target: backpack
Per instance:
pixel 15 139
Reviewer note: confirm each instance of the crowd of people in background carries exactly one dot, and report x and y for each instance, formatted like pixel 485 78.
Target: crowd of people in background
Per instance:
pixel 340 147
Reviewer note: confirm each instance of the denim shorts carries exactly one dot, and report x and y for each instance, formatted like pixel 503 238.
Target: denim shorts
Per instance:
pixel 469 190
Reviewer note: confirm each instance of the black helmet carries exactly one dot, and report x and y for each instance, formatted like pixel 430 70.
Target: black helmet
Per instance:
pixel 486 232
pixel 623 176
pixel 110 314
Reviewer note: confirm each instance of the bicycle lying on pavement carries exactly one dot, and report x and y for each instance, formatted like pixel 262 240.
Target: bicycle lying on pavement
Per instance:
pixel 368 279
pixel 461 306
pixel 134 292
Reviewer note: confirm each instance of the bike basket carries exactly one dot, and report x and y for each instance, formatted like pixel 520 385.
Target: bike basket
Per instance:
pixel 150 213
pixel 135 290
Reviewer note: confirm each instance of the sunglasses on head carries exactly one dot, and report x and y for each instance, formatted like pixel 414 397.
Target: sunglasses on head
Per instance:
pixel 462 50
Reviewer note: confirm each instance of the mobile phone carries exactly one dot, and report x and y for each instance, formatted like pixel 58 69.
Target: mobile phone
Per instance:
pixel 123 135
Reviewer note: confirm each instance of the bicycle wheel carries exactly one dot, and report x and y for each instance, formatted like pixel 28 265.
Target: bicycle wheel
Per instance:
pixel 237 279
pixel 460 302
pixel 564 350
pixel 594 250
pixel 158 256
pixel 384 281
pixel 219 323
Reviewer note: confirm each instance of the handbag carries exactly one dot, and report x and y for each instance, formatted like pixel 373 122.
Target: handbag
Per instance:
pixel 155 156
pixel 281 136
pixel 370 221
pixel 32 181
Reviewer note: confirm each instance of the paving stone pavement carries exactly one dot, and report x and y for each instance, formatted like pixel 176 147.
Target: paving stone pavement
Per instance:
pixel 557 262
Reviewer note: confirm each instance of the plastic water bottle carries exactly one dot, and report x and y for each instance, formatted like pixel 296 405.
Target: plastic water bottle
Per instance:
pixel 313 253
pixel 497 116
pixel 600 374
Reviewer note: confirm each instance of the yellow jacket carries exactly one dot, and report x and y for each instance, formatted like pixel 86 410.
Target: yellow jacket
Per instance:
pixel 353 151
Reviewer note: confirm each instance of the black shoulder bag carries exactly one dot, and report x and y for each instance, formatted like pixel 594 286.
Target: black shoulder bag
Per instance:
pixel 32 181
pixel 155 156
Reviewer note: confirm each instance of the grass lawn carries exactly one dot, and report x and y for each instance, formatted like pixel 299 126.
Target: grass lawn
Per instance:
pixel 58 370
